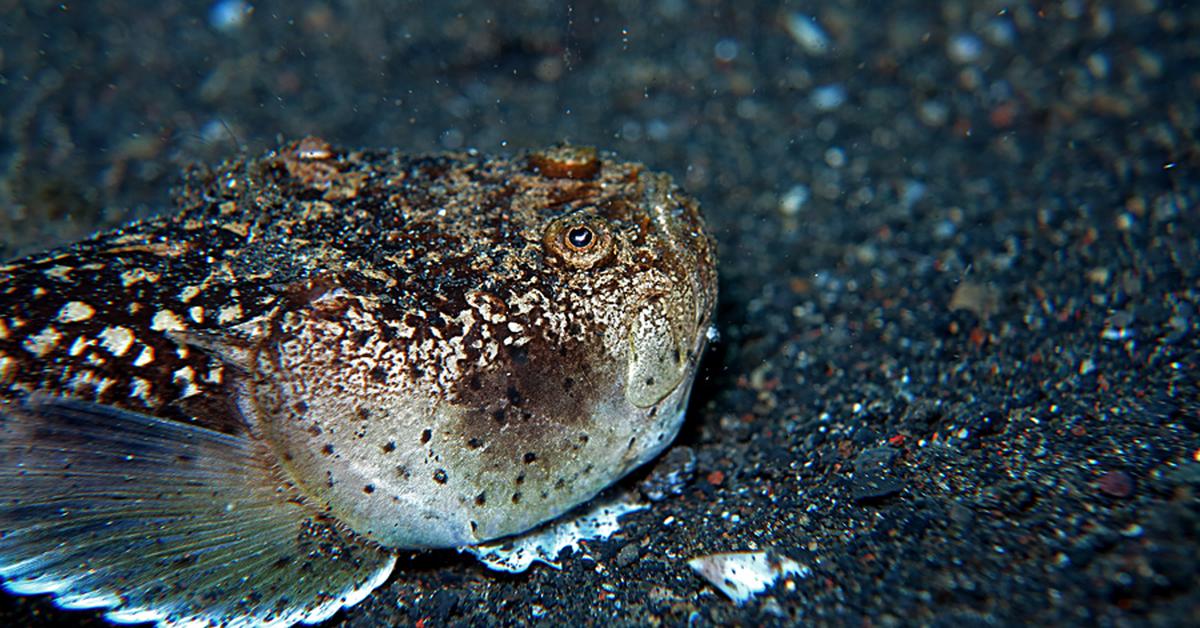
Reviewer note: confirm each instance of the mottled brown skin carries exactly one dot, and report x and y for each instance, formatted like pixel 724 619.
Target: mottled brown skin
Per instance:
pixel 454 329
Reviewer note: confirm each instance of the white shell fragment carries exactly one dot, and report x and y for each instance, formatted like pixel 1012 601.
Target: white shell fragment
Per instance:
pixel 743 575
pixel 543 544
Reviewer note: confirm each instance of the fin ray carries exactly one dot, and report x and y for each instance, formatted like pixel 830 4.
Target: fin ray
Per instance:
pixel 163 521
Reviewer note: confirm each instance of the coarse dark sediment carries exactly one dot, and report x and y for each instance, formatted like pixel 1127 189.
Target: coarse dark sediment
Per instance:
pixel 960 271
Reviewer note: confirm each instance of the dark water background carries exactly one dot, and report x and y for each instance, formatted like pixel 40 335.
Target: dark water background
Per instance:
pixel 960 270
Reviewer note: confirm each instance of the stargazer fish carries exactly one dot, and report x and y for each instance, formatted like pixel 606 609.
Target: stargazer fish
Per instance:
pixel 237 415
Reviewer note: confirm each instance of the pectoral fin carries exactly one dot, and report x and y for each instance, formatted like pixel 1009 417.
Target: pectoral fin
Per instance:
pixel 162 521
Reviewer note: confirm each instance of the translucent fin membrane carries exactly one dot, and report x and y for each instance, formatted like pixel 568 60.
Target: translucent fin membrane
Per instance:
pixel 163 521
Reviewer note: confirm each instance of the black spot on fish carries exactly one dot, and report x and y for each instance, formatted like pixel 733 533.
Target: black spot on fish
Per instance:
pixel 379 374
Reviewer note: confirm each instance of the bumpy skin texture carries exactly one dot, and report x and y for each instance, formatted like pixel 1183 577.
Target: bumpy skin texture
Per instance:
pixel 438 349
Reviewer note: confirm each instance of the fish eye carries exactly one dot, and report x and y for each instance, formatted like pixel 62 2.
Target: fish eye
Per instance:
pixel 578 242
pixel 580 237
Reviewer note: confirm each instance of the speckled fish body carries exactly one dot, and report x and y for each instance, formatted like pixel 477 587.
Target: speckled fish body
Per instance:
pixel 238 413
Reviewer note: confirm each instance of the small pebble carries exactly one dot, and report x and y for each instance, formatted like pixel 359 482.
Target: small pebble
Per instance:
pixel 628 555
pixel 828 97
pixel 671 475
pixel 933 113
pixel 229 15
pixel 806 32
pixel 726 50
pixel 912 192
pixel 874 478
pixel 1000 32
pixel 794 199
pixel 964 48
pixel 1117 484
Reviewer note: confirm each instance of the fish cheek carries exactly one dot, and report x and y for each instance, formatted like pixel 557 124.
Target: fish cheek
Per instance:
pixel 657 360
pixel 530 427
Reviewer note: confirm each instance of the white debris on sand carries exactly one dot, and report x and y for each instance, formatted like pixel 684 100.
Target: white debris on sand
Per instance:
pixel 543 544
pixel 743 575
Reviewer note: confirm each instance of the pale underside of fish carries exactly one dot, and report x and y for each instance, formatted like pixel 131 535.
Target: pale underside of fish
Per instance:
pixel 238 414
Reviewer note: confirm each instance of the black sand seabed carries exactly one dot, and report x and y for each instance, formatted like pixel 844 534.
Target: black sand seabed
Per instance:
pixel 959 269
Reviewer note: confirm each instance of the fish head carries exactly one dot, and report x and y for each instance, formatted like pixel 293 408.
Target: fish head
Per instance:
pixel 504 378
